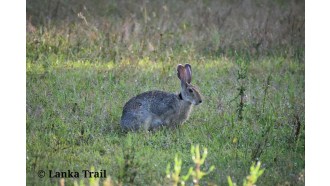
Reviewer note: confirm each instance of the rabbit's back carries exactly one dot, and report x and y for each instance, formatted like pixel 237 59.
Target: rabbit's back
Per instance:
pixel 157 102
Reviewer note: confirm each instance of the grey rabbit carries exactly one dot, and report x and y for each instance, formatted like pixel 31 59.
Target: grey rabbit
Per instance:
pixel 153 109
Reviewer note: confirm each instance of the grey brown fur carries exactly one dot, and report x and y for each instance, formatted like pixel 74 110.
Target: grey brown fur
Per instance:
pixel 153 109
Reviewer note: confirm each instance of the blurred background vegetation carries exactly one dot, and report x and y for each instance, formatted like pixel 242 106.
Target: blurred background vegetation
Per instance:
pixel 108 30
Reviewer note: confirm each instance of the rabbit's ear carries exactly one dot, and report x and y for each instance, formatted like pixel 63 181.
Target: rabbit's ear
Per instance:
pixel 188 72
pixel 181 73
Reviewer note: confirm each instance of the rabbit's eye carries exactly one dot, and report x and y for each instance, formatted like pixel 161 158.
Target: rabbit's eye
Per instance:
pixel 190 90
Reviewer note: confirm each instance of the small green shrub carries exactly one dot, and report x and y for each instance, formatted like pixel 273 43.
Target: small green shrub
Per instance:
pixel 251 179
pixel 195 172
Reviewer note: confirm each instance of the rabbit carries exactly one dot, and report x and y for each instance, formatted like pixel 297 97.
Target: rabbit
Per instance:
pixel 154 109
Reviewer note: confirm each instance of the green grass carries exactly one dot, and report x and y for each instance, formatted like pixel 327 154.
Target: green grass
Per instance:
pixel 74 110
pixel 86 59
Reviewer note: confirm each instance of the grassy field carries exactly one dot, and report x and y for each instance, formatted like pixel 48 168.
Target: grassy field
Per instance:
pixel 80 77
